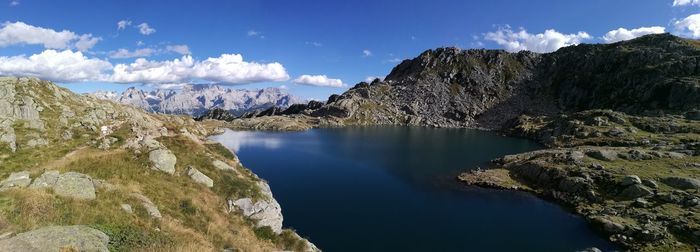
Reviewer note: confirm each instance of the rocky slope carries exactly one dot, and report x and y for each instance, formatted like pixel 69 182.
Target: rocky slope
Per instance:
pixel 195 100
pixel 79 173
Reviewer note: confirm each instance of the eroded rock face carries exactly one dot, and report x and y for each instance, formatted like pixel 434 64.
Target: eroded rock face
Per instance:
pixel 163 160
pixel 199 177
pixel 267 212
pixel 75 185
pixel 58 238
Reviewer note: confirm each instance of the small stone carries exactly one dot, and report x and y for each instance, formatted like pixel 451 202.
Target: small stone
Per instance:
pixel 222 165
pixel 127 208
pixel 151 208
pixel 47 179
pixel 641 203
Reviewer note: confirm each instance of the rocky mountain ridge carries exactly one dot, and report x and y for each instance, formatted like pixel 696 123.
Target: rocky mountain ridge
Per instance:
pixel 450 87
pixel 196 99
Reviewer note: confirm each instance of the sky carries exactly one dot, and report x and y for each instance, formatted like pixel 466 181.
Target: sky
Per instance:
pixel 311 48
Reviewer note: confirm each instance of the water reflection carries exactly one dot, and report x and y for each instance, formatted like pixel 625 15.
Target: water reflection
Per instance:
pixel 235 139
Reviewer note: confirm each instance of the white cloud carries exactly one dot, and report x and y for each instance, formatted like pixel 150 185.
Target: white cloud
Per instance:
pixel 313 43
pixel 366 53
pixel 370 79
pixel 140 43
pixel 170 85
pixel 125 53
pixel 318 80
pixel 689 26
pixel 686 2
pixel 18 33
pixel 181 49
pixel 14 3
pixel 624 34
pixel 145 29
pixel 283 87
pixel 122 24
pixel 548 41
pixel 254 33
pixel 63 66
pixel 228 68
pixel 394 60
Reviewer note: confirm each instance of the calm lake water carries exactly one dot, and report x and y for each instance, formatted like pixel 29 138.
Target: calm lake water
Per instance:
pixel 394 189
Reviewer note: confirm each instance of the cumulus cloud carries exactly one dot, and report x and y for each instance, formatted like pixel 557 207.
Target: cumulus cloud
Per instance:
pixel 624 34
pixel 318 80
pixel 122 24
pixel 18 33
pixel 59 66
pixel 228 68
pixel 689 26
pixel 14 3
pixel 125 53
pixel 366 53
pixel 145 29
pixel 686 2
pixel 181 49
pixel 549 41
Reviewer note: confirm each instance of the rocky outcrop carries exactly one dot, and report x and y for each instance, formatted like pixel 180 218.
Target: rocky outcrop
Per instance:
pixel 682 183
pixel 199 177
pixel 163 160
pixel 265 211
pixel 57 238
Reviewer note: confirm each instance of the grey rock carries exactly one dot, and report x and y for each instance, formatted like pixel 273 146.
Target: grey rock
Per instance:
pixel 126 208
pixel 593 249
pixel 266 212
pixel 151 208
pixel 199 177
pixel 635 191
pixel 163 160
pixel 222 166
pixel 16 180
pixel 608 225
pixel 573 184
pixel 47 179
pixel 605 155
pixel 630 180
pixel 682 182
pixel 58 238
pixel 75 185
pixel 650 183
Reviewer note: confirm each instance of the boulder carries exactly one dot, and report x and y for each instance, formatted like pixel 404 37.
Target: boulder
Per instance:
pixel 630 180
pixel 607 225
pixel 650 183
pixel 127 208
pixel 151 208
pixel 605 155
pixel 163 160
pixel 16 180
pixel 48 179
pixel 75 185
pixel 635 191
pixel 267 212
pixel 58 238
pixel 573 184
pixel 199 177
pixel 682 182
pixel 222 165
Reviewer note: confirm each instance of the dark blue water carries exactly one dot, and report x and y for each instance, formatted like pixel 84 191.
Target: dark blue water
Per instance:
pixel 394 189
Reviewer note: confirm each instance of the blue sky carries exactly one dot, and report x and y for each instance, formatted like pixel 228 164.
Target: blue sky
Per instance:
pixel 281 41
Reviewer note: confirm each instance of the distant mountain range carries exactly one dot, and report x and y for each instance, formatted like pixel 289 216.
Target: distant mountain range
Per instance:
pixel 197 99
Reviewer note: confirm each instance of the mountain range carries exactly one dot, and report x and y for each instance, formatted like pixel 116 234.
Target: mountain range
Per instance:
pixel 195 99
